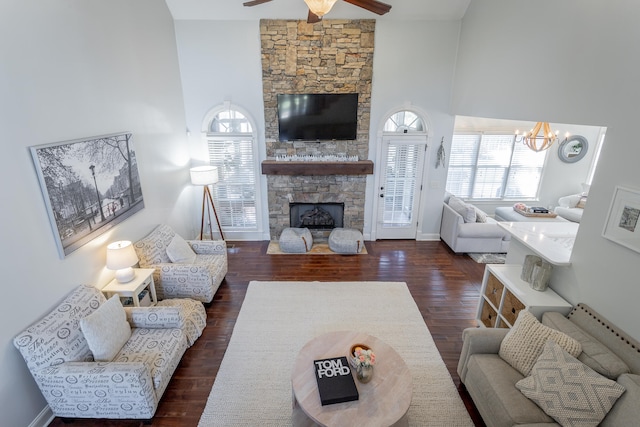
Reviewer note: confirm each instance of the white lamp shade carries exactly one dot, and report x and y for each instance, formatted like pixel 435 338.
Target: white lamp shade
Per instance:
pixel 204 175
pixel 120 257
pixel 320 7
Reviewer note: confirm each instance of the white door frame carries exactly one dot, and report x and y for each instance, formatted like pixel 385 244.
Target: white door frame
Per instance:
pixel 377 177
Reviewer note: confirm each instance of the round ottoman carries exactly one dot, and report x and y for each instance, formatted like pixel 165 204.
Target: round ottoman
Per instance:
pixel 346 241
pixel 295 240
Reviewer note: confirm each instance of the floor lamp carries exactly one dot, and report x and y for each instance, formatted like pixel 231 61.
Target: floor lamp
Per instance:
pixel 205 176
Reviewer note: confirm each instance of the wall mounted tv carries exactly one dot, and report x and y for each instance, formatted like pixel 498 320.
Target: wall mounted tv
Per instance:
pixel 317 117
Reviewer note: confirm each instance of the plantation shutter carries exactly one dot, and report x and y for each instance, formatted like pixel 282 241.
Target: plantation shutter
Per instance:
pixel 235 192
pixel 462 164
pixel 525 173
pixel 400 184
pixel 483 166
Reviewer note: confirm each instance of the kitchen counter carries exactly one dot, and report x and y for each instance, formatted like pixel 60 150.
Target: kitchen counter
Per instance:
pixel 552 241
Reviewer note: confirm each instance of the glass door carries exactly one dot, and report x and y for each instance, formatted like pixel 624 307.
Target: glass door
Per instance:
pixel 400 187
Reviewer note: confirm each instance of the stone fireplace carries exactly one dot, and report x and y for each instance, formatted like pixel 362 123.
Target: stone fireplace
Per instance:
pixel 332 56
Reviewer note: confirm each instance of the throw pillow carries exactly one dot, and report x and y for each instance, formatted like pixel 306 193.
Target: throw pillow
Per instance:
pixel 106 329
pixel 467 211
pixel 481 216
pixel 523 344
pixel 594 354
pixel 567 390
pixel 179 251
pixel 582 202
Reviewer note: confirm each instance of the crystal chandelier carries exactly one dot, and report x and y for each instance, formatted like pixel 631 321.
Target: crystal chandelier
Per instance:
pixel 320 7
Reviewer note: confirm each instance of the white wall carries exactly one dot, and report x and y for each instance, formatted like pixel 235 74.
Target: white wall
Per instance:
pixel 73 69
pixel 413 64
pixel 219 62
pixel 587 64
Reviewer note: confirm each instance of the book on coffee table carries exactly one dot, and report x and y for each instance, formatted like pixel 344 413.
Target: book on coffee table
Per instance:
pixel 335 381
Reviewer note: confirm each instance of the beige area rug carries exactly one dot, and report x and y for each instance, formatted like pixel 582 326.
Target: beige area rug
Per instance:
pixel 253 385
pixel 316 249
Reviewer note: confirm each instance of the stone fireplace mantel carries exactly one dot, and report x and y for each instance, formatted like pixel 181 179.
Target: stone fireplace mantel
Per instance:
pixel 274 167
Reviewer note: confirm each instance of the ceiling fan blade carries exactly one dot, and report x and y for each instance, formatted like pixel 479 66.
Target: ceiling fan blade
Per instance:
pixel 312 18
pixel 374 6
pixel 255 2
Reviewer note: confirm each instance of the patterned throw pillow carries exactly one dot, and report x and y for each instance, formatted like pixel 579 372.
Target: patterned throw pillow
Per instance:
pixel 106 330
pixel 567 390
pixel 524 343
pixel 467 211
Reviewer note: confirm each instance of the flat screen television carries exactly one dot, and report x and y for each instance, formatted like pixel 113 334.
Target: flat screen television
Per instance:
pixel 317 117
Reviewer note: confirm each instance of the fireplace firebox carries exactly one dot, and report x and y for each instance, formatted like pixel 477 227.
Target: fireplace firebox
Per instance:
pixel 319 216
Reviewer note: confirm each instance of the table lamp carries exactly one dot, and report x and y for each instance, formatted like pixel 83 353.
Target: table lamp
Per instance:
pixel 121 257
pixel 205 176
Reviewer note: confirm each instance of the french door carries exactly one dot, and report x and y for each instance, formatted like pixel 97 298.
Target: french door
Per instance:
pixel 400 187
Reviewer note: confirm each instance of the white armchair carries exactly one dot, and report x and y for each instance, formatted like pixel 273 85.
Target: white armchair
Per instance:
pixel 198 278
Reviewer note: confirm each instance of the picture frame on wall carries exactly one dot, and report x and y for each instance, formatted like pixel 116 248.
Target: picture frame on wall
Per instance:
pixel 88 185
pixel 623 221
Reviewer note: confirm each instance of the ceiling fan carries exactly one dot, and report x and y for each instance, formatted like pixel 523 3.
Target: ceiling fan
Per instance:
pixel 318 8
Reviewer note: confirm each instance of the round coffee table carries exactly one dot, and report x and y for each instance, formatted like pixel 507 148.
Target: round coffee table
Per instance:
pixel 384 401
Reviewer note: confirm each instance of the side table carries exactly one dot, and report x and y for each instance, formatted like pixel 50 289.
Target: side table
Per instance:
pixel 143 279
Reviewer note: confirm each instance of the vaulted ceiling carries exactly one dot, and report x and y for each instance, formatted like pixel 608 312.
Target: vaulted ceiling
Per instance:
pixel 297 9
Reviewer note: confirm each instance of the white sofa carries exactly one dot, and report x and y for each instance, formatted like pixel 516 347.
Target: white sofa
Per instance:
pixel 571 207
pixel 464 235
pixel 58 354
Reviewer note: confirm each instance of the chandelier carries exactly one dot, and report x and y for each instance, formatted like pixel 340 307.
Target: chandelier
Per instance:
pixel 320 7
pixel 536 141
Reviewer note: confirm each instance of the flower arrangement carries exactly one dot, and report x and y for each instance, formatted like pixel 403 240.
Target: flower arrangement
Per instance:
pixel 363 357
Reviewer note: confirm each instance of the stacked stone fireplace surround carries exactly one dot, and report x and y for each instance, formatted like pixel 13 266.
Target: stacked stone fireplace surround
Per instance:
pixel 332 56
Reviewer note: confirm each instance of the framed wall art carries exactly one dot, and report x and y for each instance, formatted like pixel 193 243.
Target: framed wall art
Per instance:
pixel 88 185
pixel 623 222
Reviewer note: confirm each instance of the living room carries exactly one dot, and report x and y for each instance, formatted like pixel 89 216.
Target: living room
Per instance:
pixel 79 69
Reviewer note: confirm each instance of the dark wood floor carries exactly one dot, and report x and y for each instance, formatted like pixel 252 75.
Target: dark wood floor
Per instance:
pixel 444 285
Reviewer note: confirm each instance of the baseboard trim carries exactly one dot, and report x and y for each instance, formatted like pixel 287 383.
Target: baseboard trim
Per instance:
pixel 44 418
pixel 427 237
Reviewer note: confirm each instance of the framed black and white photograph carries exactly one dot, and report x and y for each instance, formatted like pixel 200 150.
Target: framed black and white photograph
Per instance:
pixel 623 226
pixel 88 185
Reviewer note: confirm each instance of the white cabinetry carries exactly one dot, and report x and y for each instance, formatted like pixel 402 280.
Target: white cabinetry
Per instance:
pixel 504 295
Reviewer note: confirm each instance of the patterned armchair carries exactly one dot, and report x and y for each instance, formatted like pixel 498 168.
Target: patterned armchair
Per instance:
pixel 130 385
pixel 198 280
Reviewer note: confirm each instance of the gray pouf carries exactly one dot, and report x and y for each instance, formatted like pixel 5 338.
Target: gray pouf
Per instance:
pixel 296 240
pixel 346 241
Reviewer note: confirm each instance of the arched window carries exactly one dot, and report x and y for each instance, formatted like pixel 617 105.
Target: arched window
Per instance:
pixel 232 147
pixel 405 122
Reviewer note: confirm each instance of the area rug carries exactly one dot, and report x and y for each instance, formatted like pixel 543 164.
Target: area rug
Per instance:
pixel 488 258
pixel 253 385
pixel 321 248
